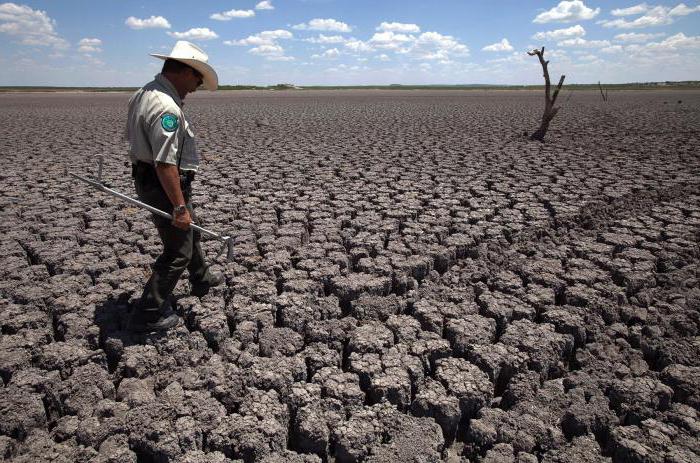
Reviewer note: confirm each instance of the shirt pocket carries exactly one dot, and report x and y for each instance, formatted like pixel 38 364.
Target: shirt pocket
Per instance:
pixel 190 157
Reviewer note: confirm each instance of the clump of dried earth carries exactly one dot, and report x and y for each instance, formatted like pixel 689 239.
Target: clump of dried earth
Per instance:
pixel 413 281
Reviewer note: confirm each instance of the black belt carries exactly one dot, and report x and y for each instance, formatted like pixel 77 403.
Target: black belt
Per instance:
pixel 147 172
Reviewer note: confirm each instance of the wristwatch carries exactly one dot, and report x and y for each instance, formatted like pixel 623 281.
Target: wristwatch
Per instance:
pixel 179 210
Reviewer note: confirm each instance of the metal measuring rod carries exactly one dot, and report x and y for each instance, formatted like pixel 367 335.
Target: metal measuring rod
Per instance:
pixel 228 241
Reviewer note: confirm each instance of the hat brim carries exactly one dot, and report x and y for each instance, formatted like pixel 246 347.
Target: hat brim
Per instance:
pixel 209 77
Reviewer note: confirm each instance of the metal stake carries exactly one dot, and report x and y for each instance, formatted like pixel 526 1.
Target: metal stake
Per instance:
pixel 228 241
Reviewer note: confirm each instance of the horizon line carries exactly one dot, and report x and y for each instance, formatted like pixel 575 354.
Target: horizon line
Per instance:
pixel 290 86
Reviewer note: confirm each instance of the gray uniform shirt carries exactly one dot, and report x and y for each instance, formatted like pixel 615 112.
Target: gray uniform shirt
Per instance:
pixel 157 129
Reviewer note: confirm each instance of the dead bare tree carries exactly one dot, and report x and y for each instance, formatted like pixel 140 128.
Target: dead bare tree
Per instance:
pixel 604 95
pixel 549 110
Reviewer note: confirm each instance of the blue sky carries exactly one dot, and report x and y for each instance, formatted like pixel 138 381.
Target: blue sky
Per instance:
pixel 358 42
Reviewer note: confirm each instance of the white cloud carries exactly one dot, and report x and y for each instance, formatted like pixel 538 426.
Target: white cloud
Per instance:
pixel 390 40
pixel 399 27
pixel 196 33
pixel 426 46
pixel 435 46
pixel 261 38
pixel 634 37
pixel 345 69
pixel 271 52
pixel 89 45
pixel 633 10
pixel 655 52
pixel 683 10
pixel 331 53
pixel 566 12
pixel 267 50
pixel 326 39
pixel 653 16
pixel 264 5
pixel 31 27
pixel 559 34
pixel 676 42
pixel 657 16
pixel 358 46
pixel 318 24
pixel 513 58
pixel 94 61
pixel 503 45
pixel 265 44
pixel 154 22
pixel 231 14
pixel 583 43
pixel 276 34
pixel 556 54
pixel 612 49
pixel 383 57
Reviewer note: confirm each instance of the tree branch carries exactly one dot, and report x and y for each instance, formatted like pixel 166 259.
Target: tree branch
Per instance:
pixel 549 110
pixel 556 92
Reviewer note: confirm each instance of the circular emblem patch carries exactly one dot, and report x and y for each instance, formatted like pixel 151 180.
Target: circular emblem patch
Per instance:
pixel 169 122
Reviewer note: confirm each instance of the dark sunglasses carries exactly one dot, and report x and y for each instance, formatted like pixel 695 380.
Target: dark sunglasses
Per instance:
pixel 197 74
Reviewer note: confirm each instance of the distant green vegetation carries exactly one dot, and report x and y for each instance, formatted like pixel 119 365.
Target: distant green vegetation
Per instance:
pixel 259 87
pixel 627 86
pixel 689 84
pixel 241 87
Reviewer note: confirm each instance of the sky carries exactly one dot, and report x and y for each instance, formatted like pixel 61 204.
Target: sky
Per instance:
pixel 351 42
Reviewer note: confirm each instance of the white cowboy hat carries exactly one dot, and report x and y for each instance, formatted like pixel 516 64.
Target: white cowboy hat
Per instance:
pixel 193 56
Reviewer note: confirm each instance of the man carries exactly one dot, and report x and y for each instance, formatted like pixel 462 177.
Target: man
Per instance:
pixel 164 162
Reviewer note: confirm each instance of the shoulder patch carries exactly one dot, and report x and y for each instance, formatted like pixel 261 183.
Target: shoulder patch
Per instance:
pixel 169 122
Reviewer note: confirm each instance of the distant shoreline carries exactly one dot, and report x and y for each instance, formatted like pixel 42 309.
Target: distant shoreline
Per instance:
pixel 683 85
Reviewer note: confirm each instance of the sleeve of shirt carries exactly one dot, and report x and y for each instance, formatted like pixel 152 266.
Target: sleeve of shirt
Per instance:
pixel 166 135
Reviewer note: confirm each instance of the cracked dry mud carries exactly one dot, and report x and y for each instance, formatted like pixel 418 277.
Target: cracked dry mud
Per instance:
pixel 412 282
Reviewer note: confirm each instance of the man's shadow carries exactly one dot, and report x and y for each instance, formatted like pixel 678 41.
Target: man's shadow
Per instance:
pixel 112 317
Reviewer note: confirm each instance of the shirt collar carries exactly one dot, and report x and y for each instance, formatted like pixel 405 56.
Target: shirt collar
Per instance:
pixel 170 88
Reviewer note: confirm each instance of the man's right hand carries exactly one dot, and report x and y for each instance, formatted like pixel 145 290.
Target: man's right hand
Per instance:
pixel 182 220
pixel 169 177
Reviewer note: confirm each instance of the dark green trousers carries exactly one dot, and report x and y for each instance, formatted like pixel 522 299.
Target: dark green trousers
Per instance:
pixel 181 248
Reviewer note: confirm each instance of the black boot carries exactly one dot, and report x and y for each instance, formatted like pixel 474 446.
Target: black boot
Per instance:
pixel 201 288
pixel 147 321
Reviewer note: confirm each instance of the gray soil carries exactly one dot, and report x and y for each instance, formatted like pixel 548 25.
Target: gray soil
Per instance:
pixel 413 282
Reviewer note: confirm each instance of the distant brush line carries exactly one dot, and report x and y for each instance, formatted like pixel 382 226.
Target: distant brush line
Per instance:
pixel 593 86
